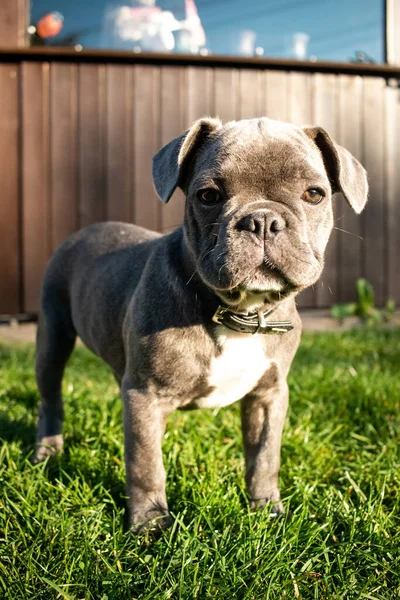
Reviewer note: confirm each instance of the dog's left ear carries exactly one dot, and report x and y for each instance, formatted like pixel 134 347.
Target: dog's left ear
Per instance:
pixel 170 164
pixel 345 173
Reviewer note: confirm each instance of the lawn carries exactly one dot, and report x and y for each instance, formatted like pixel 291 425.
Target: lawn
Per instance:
pixel 62 524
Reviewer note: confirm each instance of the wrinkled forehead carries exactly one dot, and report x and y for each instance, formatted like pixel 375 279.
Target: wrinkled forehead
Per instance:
pixel 261 150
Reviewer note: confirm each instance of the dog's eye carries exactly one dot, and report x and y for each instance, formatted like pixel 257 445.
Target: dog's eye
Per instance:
pixel 313 195
pixel 209 197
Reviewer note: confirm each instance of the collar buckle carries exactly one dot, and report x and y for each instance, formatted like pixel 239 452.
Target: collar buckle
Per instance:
pixel 219 313
pixel 250 323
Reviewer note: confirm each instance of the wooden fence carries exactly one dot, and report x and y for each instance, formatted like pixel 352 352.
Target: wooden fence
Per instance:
pixel 77 139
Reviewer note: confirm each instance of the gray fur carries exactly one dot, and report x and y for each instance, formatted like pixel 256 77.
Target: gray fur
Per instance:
pixel 144 302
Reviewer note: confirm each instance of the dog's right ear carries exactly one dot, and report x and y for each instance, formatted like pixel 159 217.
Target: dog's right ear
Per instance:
pixel 170 164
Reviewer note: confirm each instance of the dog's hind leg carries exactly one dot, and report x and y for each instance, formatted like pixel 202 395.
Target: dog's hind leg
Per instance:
pixel 55 341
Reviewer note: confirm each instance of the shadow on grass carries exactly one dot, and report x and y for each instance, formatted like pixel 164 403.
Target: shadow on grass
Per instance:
pixel 26 397
pixel 72 471
pixel 17 429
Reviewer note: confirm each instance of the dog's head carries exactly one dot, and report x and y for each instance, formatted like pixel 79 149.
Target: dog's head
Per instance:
pixel 259 202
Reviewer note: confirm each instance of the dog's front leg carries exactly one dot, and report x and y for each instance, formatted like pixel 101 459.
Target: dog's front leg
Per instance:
pixel 144 426
pixel 263 415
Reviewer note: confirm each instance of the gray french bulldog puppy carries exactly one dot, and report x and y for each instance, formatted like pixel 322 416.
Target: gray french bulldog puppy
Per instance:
pixel 183 320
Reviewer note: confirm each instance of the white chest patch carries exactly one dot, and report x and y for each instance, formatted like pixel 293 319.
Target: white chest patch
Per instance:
pixel 236 371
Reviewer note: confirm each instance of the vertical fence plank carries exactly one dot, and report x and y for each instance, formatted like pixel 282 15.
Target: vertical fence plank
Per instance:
pixel 119 160
pixel 349 136
pixel 200 97
pixel 392 176
pixel 226 94
pixel 300 87
pixel 91 124
pixel 325 105
pixel 13 23
pixel 374 216
pixel 36 217
pixel 300 113
pixel 63 152
pixel 277 95
pixel 251 94
pixel 173 118
pixel 146 141
pixel 9 204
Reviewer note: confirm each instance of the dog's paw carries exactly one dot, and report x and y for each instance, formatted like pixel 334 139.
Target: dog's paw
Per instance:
pixel 153 526
pixel 48 446
pixel 272 502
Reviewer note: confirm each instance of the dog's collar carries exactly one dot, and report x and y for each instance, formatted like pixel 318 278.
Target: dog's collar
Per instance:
pixel 251 322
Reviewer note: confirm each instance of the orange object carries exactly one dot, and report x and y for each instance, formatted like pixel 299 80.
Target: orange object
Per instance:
pixel 50 25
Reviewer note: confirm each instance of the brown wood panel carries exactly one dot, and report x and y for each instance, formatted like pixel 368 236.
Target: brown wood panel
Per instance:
pixel 251 94
pixel 300 113
pixel 146 142
pixel 300 92
pixel 91 146
pixel 349 135
pixel 13 22
pixel 119 159
pixel 9 204
pixel 226 94
pixel 89 132
pixel 392 177
pixel 277 95
pixel 325 105
pixel 173 92
pixel 36 208
pixel 200 96
pixel 374 215
pixel 63 152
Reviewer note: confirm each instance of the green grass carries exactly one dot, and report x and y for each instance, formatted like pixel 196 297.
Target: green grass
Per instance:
pixel 62 523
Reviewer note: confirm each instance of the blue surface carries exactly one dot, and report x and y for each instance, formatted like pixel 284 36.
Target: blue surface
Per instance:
pixel 337 28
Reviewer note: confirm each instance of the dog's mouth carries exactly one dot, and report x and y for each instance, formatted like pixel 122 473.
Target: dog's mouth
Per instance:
pixel 268 277
pixel 267 284
pixel 269 269
pixel 246 275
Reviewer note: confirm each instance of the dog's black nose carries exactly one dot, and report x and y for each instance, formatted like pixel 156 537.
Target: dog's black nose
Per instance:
pixel 263 224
